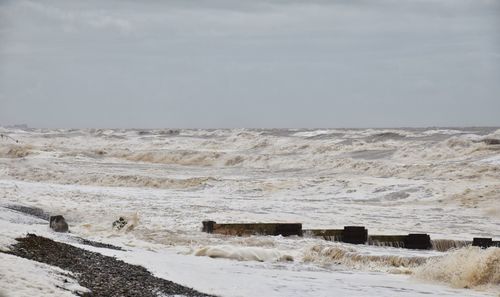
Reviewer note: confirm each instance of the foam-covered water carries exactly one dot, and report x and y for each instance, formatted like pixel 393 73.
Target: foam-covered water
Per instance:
pixel 444 182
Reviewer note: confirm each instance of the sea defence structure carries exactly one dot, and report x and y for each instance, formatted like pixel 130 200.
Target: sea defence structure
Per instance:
pixel 485 242
pixel 417 241
pixel 283 229
pixel 359 235
pixel 350 234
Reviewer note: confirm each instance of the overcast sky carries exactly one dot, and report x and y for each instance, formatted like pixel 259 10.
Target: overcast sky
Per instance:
pixel 226 63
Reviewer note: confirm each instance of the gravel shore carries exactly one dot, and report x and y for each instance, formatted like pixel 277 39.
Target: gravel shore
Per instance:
pixel 41 214
pixel 104 276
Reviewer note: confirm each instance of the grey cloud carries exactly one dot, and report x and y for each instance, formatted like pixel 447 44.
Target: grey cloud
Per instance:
pixel 251 63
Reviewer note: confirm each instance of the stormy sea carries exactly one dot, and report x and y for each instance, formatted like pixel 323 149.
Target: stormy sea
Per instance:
pixel 444 182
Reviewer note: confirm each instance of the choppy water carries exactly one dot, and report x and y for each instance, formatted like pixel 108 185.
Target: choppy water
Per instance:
pixel 445 182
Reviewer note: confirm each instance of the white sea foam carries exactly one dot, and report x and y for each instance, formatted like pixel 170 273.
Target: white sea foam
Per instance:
pixel 243 253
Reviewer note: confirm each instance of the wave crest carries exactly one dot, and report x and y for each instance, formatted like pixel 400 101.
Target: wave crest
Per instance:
pixel 112 180
pixel 338 254
pixel 174 157
pixel 467 267
pixel 16 151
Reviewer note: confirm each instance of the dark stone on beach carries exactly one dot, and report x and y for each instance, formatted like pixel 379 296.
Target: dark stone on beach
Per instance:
pixel 120 223
pixel 482 242
pixel 418 241
pixel 355 234
pixel 40 213
pixel 491 141
pixel 104 276
pixel 58 223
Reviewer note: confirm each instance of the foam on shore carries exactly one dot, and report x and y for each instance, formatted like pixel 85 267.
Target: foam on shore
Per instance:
pixel 243 253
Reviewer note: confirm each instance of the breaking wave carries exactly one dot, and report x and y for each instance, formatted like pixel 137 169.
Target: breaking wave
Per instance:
pixel 143 181
pixel 444 245
pixel 484 197
pixel 16 151
pixel 348 256
pixel 111 180
pixel 194 158
pixel 243 253
pixel 469 267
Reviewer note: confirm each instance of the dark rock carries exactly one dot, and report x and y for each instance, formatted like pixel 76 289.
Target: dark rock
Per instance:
pixel 58 223
pixel 120 223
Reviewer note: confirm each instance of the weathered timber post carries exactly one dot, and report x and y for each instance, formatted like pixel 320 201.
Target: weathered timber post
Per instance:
pixel 482 242
pixel 208 226
pixel 418 241
pixel 355 234
pixel 289 229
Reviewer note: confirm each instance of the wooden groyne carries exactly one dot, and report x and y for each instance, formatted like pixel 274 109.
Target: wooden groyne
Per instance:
pixel 283 229
pixel 485 242
pixel 359 235
pixel 350 234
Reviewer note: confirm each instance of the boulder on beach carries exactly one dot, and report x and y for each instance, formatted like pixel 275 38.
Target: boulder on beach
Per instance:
pixel 126 222
pixel 120 223
pixel 58 223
